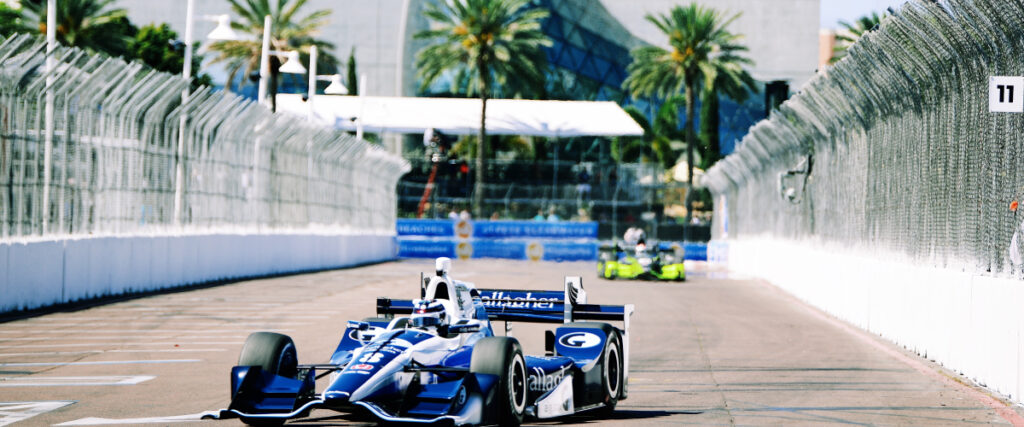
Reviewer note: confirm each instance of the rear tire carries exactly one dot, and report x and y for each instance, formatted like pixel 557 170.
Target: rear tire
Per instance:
pixel 274 353
pixel 502 356
pixel 612 371
pixel 611 364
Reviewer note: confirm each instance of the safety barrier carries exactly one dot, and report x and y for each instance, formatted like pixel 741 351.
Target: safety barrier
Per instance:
pixel 887 190
pixel 93 146
pixel 970 323
pixel 47 272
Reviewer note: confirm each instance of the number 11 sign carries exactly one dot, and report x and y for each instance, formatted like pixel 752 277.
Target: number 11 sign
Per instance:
pixel 1005 94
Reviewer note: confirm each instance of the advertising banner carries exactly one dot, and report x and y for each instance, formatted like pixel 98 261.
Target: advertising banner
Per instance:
pixel 465 229
pixel 425 227
pixel 535 229
pixel 520 249
pixel 422 248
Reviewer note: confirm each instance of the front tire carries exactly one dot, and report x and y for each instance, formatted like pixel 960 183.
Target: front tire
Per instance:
pixel 274 353
pixel 503 357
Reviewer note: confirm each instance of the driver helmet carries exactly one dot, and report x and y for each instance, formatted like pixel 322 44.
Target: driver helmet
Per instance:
pixel 428 314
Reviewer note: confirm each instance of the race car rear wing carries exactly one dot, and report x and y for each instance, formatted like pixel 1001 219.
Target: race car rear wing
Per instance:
pixel 531 306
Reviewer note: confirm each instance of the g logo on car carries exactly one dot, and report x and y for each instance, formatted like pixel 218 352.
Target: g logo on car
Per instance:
pixel 579 340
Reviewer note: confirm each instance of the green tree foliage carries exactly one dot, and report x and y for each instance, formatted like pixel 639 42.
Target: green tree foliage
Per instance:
pixel 661 142
pixel 10 20
pixel 94 25
pixel 851 32
pixel 97 26
pixel 698 39
pixel 493 43
pixel 158 47
pixel 731 79
pixel 288 33
pixel 466 146
pixel 351 74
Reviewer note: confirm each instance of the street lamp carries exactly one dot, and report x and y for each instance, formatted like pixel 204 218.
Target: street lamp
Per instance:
pixel 335 88
pixel 222 32
pixel 291 65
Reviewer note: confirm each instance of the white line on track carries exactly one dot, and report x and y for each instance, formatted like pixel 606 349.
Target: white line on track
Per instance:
pixel 72 353
pixel 105 362
pixel 12 412
pixel 119 344
pixel 92 421
pixel 135 331
pixel 181 323
pixel 218 314
pixel 35 381
pixel 117 337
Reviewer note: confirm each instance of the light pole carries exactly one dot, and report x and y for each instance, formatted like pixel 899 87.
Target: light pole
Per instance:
pixel 291 64
pixel 51 45
pixel 335 88
pixel 222 32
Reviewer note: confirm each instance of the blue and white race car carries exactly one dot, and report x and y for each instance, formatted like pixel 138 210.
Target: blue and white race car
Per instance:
pixel 437 360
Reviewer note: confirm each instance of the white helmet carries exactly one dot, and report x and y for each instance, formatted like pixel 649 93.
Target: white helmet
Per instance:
pixel 429 313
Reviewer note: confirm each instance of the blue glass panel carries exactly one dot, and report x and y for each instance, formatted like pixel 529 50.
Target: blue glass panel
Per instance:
pixel 602 67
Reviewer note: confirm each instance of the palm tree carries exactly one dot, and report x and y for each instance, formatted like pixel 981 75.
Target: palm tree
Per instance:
pixel 90 24
pixel 661 141
pixel 492 41
pixel 729 78
pixel 852 32
pixel 699 40
pixel 287 33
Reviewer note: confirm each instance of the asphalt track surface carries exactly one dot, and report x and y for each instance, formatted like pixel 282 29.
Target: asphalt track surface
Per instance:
pixel 710 351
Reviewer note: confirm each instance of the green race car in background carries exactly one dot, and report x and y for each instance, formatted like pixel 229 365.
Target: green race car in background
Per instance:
pixel 663 261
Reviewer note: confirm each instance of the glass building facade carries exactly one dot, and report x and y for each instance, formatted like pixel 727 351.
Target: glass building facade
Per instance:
pixel 585 64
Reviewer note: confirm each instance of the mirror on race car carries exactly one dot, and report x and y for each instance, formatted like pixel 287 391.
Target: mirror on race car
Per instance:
pixel 359 326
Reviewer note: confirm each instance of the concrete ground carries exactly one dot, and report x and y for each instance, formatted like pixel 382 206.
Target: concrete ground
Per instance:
pixel 709 351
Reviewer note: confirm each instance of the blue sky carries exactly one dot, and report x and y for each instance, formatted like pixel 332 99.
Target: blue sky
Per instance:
pixel 832 11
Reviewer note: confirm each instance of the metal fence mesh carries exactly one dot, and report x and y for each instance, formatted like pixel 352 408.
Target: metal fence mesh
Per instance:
pixel 894 147
pixel 114 165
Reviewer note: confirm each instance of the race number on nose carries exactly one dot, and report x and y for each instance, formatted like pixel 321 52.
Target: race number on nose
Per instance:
pixel 1006 94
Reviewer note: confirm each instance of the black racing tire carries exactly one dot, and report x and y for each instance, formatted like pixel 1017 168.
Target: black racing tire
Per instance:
pixel 503 356
pixel 274 353
pixel 612 381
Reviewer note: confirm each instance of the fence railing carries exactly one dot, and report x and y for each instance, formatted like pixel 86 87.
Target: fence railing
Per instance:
pixel 96 145
pixel 894 147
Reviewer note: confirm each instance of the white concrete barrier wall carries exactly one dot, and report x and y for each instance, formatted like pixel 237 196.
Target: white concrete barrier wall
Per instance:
pixel 41 273
pixel 969 323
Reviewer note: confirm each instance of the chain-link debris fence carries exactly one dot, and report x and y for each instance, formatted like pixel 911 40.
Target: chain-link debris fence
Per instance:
pixel 894 147
pixel 616 195
pixel 92 147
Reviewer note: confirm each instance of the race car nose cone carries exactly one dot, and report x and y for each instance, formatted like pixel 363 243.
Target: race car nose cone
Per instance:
pixel 336 397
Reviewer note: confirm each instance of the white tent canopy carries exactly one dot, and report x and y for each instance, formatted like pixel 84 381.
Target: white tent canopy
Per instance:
pixel 461 116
